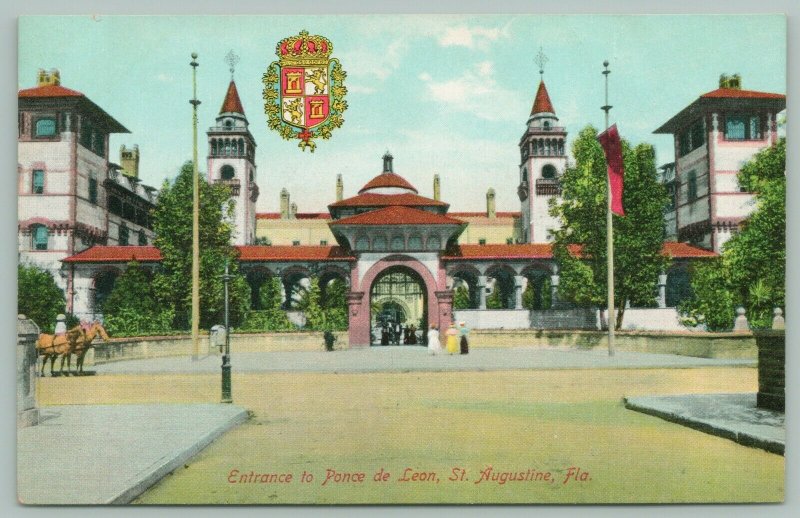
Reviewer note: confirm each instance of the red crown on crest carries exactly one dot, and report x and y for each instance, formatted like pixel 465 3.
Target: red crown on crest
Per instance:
pixel 304 50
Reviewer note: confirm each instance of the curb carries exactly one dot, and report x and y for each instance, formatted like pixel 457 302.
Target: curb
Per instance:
pixel 161 469
pixel 743 438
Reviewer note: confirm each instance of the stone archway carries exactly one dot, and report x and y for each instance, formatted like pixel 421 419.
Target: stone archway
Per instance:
pixel 438 300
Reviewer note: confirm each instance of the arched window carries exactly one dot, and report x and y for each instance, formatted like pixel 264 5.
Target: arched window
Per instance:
pixel 228 124
pixel 548 171
pixel 691 186
pixel 362 243
pixel 434 243
pixel 524 175
pixel 379 244
pixel 415 242
pixel 546 125
pixel 46 127
pixel 142 238
pixel 124 234
pixel 93 188
pixel 397 243
pixel 39 237
pixel 227 147
pixel 226 172
pixel 241 147
pixel 213 147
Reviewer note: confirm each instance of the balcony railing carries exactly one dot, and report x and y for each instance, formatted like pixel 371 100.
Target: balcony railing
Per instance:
pixel 233 184
pixel 548 186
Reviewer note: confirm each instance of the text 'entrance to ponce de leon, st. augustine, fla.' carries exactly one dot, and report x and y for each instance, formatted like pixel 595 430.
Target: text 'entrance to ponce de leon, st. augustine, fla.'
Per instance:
pixel 398 308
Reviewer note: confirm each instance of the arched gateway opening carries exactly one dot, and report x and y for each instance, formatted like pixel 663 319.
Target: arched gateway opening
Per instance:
pixel 398 302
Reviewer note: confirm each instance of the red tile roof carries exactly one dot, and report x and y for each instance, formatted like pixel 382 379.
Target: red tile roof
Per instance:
pixel 374 199
pixel 685 251
pixel 545 251
pixel 232 104
pixel 292 253
pixel 398 215
pixel 733 93
pixel 299 215
pixel 49 91
pixel 116 254
pixel 542 102
pixel 388 180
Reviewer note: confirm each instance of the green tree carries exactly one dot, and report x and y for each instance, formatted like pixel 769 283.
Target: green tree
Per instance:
pixel 712 302
pixel 494 300
pixel 756 257
pixel 310 305
pixel 132 309
pixel 38 296
pixel 334 304
pixel 172 222
pixel 461 298
pixel 272 317
pixel 638 237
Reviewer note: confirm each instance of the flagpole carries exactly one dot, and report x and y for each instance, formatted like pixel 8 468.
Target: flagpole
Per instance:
pixel 611 313
pixel 195 220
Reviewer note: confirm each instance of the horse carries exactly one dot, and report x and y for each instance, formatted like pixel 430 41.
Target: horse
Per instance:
pixel 52 346
pixel 81 343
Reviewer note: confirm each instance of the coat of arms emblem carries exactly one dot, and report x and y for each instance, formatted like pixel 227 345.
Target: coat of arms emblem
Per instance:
pixel 304 90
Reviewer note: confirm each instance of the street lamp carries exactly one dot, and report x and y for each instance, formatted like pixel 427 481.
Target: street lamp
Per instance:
pixel 226 357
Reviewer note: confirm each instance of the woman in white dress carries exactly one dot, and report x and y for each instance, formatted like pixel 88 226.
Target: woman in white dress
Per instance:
pixel 433 340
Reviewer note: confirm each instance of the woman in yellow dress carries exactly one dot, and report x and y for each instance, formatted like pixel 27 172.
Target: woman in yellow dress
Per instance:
pixel 452 339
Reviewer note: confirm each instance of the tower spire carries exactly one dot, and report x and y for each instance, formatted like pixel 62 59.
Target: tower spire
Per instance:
pixel 541 60
pixel 232 59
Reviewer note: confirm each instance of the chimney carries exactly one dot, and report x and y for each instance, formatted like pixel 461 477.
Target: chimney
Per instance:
pixel 437 188
pixel 293 211
pixel 284 204
pixel 387 162
pixel 48 78
pixel 129 161
pixel 733 82
pixel 339 188
pixel 490 208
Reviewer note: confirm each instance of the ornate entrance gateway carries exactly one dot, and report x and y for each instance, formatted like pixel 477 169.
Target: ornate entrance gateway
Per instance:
pixel 398 305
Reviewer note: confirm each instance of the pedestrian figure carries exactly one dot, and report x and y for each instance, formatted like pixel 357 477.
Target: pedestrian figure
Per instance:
pixel 385 335
pixel 452 339
pixel 412 335
pixel 433 340
pixel 464 334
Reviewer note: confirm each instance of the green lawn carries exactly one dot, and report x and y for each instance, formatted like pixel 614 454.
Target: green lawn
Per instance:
pixel 452 425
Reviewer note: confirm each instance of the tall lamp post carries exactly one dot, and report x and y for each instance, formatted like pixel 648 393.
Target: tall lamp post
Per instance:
pixel 195 220
pixel 226 357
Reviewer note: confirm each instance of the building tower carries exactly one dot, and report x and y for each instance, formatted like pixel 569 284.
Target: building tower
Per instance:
pixel 542 161
pixel 231 161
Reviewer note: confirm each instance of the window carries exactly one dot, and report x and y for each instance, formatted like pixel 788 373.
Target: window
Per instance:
pixel 743 127
pixel 397 243
pixel 415 242
pixel 691 187
pixel 295 243
pixel 546 125
pixel 46 127
pixel 323 242
pixel 93 189
pixel 524 175
pixel 38 182
pixel 124 234
pixel 671 195
pixel 691 138
pixel 115 205
pixel 226 172
pixel 379 244
pixel 99 144
pixel 482 241
pixel 86 133
pixel 362 243
pixel 142 238
pixel 509 240
pixel 40 237
pixel 549 171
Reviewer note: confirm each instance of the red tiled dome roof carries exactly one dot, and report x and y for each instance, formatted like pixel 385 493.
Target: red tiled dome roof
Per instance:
pixel 388 180
pixel 374 199
pixel 49 91
pixel 398 215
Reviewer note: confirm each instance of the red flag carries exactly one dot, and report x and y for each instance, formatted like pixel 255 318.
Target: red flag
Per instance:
pixel 612 146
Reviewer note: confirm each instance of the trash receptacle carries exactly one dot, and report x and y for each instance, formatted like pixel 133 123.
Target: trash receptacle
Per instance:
pixel 217 338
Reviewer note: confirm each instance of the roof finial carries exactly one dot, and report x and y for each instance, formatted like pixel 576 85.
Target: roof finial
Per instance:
pixel 232 60
pixel 387 162
pixel 541 60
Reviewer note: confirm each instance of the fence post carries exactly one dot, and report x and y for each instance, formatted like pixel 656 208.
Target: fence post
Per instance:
pixel 740 325
pixel 777 320
pixel 27 334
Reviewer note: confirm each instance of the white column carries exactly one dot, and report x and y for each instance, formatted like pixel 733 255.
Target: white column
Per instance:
pixel 662 290
pixel 554 280
pixel 518 279
pixel 482 291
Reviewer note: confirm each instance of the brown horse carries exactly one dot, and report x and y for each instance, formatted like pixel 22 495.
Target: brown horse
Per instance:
pixel 80 344
pixel 53 346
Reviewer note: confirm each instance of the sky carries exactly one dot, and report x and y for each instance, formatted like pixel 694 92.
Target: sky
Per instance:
pixel 446 94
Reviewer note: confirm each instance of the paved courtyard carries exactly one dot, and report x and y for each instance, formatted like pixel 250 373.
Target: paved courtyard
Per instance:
pixel 409 358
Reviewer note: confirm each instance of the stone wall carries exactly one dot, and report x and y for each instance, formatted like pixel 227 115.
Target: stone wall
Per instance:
pixel 118 349
pixel 771 369
pixel 701 345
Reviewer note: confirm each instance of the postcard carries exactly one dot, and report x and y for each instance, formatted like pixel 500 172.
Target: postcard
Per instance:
pixel 401 259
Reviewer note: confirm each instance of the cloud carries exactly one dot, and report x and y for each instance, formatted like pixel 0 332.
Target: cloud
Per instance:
pixel 472 37
pixel 368 65
pixel 477 92
pixel 165 78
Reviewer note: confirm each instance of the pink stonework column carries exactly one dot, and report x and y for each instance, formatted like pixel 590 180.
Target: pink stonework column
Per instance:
pixel 358 319
pixel 444 312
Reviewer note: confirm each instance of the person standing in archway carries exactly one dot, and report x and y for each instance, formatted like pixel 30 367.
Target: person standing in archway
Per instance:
pixel 464 334
pixel 452 339
pixel 433 340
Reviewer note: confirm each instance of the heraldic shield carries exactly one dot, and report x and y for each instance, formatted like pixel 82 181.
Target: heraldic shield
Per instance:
pixel 304 91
